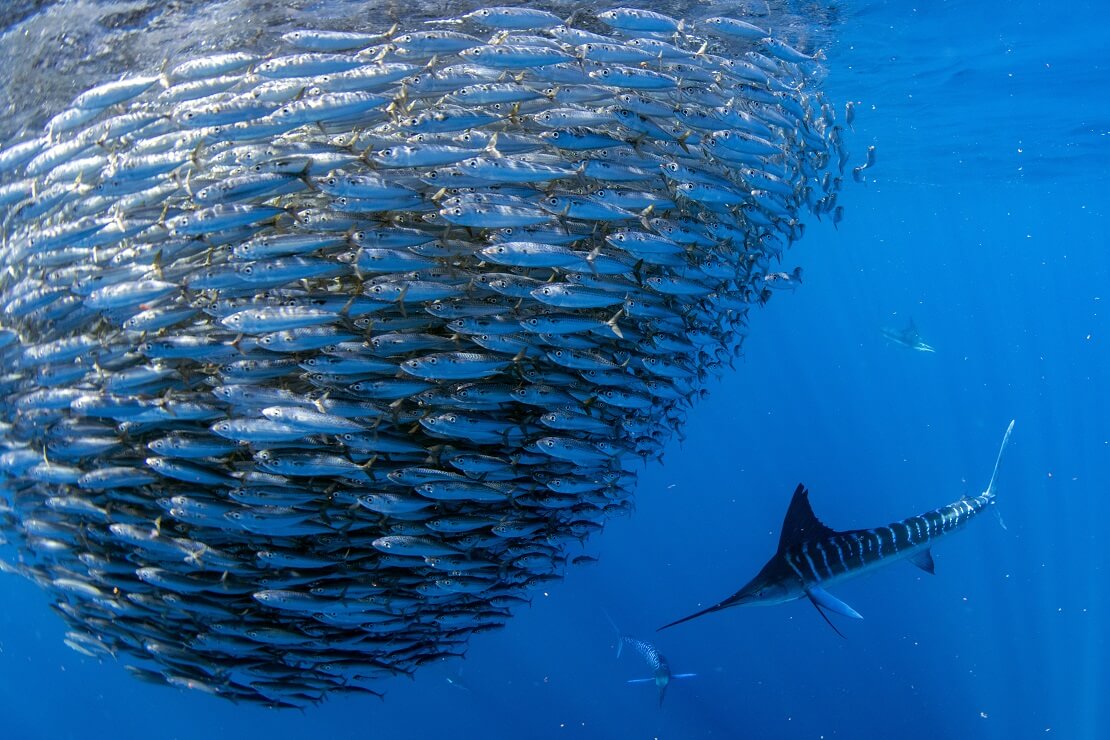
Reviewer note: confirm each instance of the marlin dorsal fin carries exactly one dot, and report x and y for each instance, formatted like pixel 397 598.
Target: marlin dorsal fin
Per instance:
pixel 801 523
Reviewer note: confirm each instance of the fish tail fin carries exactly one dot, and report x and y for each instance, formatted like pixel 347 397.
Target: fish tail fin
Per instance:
pixel 994 475
pixel 612 323
pixel 998 461
pixel 620 637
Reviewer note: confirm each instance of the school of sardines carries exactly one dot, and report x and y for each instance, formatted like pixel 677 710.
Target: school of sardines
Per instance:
pixel 314 364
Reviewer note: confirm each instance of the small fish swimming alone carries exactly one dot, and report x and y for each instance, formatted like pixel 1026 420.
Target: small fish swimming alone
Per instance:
pixel 908 337
pixel 660 668
pixel 811 555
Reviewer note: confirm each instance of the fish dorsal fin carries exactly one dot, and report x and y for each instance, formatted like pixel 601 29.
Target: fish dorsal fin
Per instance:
pixel 801 524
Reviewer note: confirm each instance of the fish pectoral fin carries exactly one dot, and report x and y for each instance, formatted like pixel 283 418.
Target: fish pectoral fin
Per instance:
pixel 825 616
pixel 924 560
pixel 640 680
pixel 684 675
pixel 825 600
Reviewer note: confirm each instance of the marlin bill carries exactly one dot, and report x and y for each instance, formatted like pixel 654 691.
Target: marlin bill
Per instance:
pixel 811 555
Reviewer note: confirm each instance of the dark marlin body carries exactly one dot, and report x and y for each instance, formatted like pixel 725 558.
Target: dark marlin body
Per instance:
pixel 908 337
pixel 661 674
pixel 811 555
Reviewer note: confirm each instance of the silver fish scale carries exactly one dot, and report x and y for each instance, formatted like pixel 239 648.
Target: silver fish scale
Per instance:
pixel 270 378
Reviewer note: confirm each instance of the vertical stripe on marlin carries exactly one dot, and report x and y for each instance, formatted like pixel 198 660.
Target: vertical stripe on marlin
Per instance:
pixel 809 561
pixel 793 560
pixel 914 530
pixel 824 558
pixel 935 523
pixel 863 546
pixel 951 514
pixel 870 551
pixel 902 538
pixel 887 543
pixel 912 535
pixel 845 550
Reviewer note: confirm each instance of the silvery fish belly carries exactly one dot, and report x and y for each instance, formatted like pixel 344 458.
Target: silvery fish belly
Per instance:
pixel 316 361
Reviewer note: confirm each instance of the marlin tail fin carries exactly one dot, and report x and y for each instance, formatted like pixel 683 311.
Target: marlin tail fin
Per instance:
pixel 994 474
pixel 620 637
pixel 998 460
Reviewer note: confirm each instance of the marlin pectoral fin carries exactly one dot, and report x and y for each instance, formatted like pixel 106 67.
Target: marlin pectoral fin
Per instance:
pixel 684 675
pixel 825 616
pixel 924 560
pixel 824 599
pixel 640 680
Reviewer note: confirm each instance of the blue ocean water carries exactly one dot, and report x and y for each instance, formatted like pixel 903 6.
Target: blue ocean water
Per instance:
pixel 985 222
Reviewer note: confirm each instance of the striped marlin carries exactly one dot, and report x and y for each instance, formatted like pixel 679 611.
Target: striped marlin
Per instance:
pixel 908 337
pixel 661 674
pixel 811 555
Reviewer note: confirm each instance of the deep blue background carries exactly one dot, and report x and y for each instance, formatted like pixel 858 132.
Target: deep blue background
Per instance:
pixel 987 223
